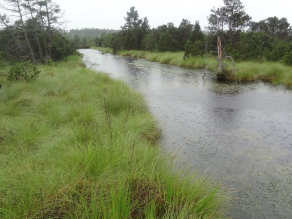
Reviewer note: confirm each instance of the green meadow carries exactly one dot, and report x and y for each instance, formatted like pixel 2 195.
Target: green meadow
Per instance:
pixel 75 143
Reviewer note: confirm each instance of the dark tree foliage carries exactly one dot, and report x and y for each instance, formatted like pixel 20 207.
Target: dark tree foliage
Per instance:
pixel 132 30
pixel 274 27
pixel 197 34
pixel 184 29
pixel 117 42
pixel 248 40
pixel 167 42
pixel 287 59
pixel 258 46
pixel 61 46
pixel 230 18
pixel 250 46
pixel 77 41
pixel 35 36
pixel 195 45
pixel 194 49
pixel 149 42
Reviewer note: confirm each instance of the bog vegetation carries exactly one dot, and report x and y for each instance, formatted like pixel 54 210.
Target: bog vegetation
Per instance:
pixel 76 144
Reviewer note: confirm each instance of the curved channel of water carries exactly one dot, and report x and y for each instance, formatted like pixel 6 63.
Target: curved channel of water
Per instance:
pixel 242 133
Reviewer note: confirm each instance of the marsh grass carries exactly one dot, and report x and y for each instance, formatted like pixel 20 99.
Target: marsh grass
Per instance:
pixel 274 72
pixel 77 144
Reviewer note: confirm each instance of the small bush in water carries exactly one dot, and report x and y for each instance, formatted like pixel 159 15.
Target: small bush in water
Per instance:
pixel 23 71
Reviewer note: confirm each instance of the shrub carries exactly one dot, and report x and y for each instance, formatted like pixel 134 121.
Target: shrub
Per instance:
pixel 194 49
pixel 51 63
pixel 167 42
pixel 23 71
pixel 2 60
pixel 287 59
pixel 149 42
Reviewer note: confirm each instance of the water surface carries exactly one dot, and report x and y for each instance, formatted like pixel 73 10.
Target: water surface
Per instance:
pixel 240 132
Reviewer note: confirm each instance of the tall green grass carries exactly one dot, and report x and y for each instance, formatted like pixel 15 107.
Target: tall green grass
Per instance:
pixel 274 72
pixel 77 144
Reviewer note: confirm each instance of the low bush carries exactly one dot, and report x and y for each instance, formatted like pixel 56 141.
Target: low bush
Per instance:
pixel 23 71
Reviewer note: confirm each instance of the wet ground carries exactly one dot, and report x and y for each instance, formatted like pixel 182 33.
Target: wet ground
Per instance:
pixel 240 132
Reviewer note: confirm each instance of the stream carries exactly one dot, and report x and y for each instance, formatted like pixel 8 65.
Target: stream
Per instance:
pixel 241 133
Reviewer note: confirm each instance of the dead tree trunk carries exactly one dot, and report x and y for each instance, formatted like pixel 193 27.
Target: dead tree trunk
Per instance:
pixel 46 59
pixel 49 29
pixel 25 32
pixel 220 70
pixel 31 10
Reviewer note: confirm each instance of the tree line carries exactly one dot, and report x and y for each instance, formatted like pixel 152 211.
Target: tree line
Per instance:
pixel 269 39
pixel 87 33
pixel 32 30
pixel 36 34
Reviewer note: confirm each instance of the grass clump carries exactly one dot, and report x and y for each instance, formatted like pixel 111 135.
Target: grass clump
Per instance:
pixel 77 144
pixel 274 72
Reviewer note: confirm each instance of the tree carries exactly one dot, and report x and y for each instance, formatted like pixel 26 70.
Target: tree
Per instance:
pixel 132 20
pixel 131 29
pixel 231 15
pixel 185 28
pixel 15 7
pixel 84 41
pixel 217 20
pixel 50 15
pixel 287 59
pixel 35 35
pixel 194 49
pixel 77 41
pixel 197 34
pixel 236 18
pixel 149 42
pixel 10 30
pixel 107 40
pixel 167 42
pixel 145 29
pixel 29 7
pixel 251 45
pixel 273 26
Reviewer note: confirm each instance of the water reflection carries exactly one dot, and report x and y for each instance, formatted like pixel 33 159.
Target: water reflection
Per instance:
pixel 241 132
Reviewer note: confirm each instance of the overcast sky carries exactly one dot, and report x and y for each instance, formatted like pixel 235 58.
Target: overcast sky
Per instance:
pixel 109 13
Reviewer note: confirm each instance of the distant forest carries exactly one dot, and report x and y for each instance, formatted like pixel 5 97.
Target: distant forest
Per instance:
pixel 88 32
pixel 36 35
pixel 266 40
